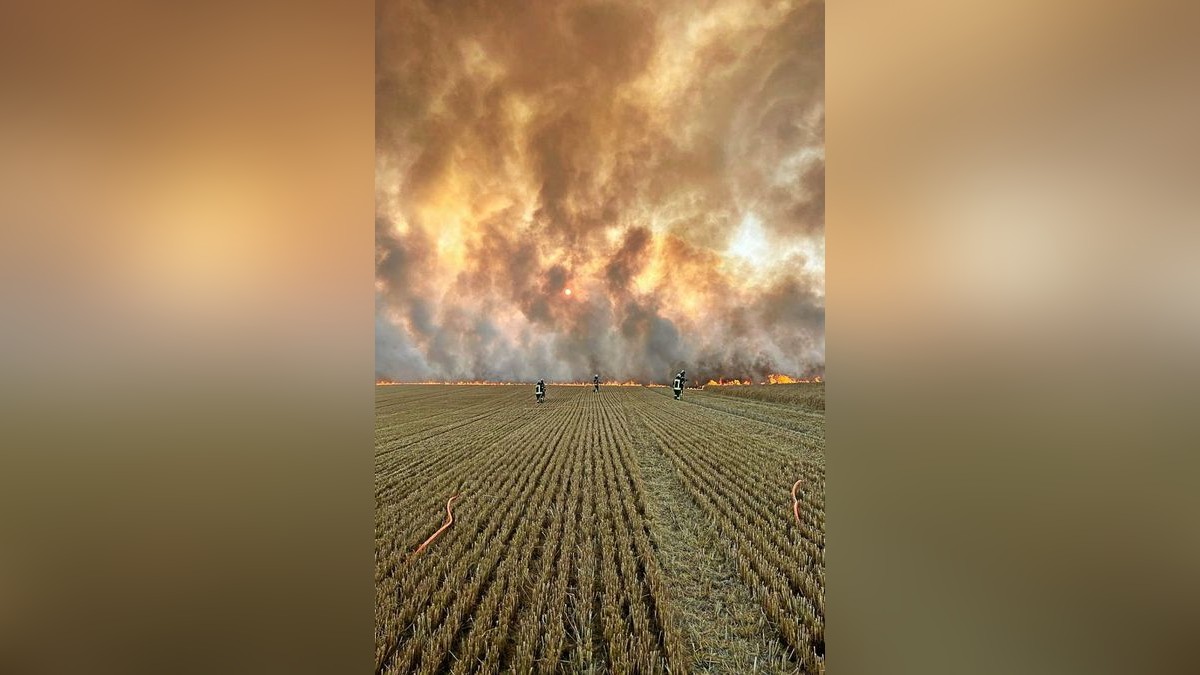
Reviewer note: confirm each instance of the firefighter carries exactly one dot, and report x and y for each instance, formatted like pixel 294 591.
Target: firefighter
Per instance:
pixel 596 382
pixel 539 391
pixel 677 385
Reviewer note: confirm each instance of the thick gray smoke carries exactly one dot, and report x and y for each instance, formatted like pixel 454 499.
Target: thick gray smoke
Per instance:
pixel 624 188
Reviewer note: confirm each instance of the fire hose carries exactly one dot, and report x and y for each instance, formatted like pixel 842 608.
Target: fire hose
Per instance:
pixel 796 501
pixel 449 522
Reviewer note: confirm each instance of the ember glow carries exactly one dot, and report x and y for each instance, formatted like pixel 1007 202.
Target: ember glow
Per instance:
pixel 627 189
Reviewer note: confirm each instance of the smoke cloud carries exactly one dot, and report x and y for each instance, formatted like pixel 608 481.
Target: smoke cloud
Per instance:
pixel 616 187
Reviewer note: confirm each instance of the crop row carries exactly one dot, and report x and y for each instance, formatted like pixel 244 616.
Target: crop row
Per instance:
pixel 427 412
pixel 550 564
pixel 742 483
pixel 422 602
pixel 411 482
pixel 626 502
pixel 809 424
pixel 807 395
pixel 430 456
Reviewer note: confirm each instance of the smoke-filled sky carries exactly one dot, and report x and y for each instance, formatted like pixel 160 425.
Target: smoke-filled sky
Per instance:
pixel 622 188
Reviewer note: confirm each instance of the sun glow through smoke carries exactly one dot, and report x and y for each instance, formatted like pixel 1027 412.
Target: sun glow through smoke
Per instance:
pixel 665 161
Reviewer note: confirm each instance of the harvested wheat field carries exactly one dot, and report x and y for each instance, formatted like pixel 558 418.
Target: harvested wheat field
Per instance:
pixel 619 531
pixel 806 395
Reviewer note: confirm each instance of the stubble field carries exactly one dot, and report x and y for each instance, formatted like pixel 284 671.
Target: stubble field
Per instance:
pixel 619 531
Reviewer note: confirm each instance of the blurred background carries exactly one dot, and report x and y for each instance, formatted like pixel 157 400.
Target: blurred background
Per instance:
pixel 1012 327
pixel 187 336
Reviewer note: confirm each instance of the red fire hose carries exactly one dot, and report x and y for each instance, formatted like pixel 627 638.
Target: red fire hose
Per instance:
pixel 796 501
pixel 449 522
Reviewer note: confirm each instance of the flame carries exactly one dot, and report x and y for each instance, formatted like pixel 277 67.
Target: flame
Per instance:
pixel 771 379
pixel 787 379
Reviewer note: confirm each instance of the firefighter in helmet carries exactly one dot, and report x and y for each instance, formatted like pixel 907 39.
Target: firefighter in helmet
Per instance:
pixel 596 382
pixel 539 391
pixel 679 383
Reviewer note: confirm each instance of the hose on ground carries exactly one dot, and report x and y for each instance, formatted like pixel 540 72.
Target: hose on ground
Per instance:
pixel 449 522
pixel 796 501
